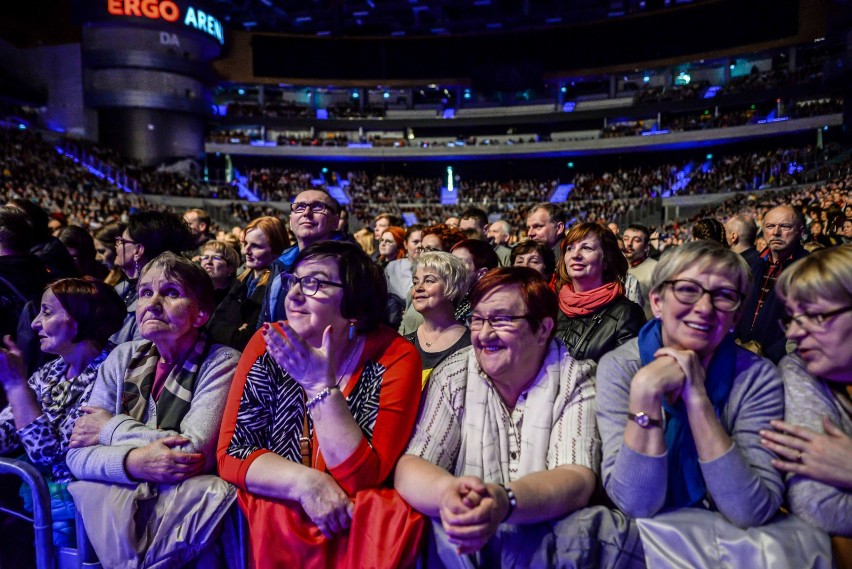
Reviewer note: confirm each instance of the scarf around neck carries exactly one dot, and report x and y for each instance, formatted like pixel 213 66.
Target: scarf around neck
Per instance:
pixel 176 396
pixel 686 486
pixel 575 304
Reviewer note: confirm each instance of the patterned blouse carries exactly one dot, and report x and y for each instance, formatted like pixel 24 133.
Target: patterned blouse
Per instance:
pixel 45 440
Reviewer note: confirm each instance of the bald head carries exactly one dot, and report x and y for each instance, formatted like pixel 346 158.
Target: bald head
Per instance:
pixel 741 231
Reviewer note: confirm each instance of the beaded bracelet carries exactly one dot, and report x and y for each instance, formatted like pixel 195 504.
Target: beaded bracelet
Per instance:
pixel 513 501
pixel 316 399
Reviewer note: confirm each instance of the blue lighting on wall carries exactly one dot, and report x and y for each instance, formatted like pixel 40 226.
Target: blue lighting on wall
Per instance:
pixel 711 92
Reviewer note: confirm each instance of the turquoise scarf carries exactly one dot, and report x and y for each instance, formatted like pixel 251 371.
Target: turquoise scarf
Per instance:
pixel 686 485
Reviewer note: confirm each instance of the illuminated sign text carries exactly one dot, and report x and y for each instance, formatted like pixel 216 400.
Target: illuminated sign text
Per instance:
pixel 168 11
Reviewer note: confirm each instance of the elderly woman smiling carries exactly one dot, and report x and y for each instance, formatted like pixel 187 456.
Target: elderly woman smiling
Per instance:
pixel 506 433
pixel 321 408
pixel 679 408
pixel 153 417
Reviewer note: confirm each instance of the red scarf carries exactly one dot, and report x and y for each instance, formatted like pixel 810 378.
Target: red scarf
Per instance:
pixel 576 304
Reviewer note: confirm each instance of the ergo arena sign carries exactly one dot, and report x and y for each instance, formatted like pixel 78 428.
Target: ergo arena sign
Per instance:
pixel 168 11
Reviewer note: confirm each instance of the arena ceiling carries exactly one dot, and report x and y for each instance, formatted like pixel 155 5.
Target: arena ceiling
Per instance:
pixel 421 17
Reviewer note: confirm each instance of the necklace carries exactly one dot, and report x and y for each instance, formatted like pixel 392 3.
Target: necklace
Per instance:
pixel 436 338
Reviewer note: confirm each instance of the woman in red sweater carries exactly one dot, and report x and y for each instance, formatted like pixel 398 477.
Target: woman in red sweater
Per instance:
pixel 321 408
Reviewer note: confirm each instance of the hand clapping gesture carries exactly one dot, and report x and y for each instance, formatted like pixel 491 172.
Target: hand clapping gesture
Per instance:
pixel 312 368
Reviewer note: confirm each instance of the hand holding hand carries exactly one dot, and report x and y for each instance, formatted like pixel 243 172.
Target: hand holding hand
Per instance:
pixel 327 505
pixel 87 428
pixel 471 512
pixel 693 391
pixel 312 368
pixel 823 457
pixel 12 369
pixel 662 378
pixel 159 462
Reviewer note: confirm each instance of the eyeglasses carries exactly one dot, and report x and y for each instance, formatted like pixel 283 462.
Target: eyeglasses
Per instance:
pixel 309 285
pixel 498 322
pixel 316 207
pixel 690 292
pixel 214 258
pixel 119 241
pixel 812 322
pixel 426 249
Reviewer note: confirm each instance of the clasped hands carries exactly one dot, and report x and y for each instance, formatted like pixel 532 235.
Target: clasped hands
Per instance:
pixel 471 511
pixel 674 374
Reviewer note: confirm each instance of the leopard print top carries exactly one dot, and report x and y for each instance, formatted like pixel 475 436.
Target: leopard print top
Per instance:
pixel 45 440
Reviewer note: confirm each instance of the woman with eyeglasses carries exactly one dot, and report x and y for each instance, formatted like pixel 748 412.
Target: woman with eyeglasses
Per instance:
pixel 391 245
pixel 147 235
pixel 680 408
pixel 506 436
pixel 235 319
pixel 814 442
pixel 321 407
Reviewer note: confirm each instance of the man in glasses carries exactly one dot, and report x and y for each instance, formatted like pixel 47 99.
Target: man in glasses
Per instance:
pixel 314 217
pixel 783 227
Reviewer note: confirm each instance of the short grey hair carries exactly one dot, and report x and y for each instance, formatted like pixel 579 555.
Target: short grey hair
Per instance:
pixel 453 270
pixel 703 254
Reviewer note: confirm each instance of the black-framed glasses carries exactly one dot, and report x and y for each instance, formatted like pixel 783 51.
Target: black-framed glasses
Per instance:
pixel 214 258
pixel 119 241
pixel 315 207
pixel 309 285
pixel 811 321
pixel 426 249
pixel 690 292
pixel 498 321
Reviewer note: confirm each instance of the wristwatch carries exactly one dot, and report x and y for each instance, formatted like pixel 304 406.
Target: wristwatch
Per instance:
pixel 644 421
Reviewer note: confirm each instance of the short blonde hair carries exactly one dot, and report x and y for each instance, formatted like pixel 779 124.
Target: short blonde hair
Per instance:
pixel 231 256
pixel 704 254
pixel 825 274
pixel 450 268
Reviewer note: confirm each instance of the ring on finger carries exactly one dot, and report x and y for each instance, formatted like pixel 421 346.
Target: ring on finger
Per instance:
pixel 799 456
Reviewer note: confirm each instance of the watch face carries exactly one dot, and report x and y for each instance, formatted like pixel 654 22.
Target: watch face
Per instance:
pixel 642 419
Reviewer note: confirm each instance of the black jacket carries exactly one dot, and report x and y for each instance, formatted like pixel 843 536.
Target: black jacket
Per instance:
pixel 234 321
pixel 590 337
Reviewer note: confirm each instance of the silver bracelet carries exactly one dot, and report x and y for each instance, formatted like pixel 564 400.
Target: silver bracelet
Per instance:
pixel 316 399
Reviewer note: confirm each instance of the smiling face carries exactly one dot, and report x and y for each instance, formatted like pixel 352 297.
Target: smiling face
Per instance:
pixel 166 312
pixel 387 246
pixel 428 290
pixel 310 227
pixel 511 356
pixel 584 263
pixel 309 315
pixel 258 251
pixel 54 326
pixel 699 327
pixel 824 348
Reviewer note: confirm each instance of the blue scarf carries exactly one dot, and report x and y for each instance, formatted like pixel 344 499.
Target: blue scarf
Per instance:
pixel 686 485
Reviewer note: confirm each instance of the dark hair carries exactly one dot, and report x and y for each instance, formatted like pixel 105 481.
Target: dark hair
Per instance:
pixel 333 204
pixel 393 220
pixel 365 290
pixel 614 262
pixel 94 305
pixel 539 299
pixel 709 229
pixel 37 217
pixel 190 275
pixel 160 231
pixel 545 252
pixel 641 228
pixel 412 228
pixel 555 212
pixel 483 254
pixel 479 215
pixel 78 238
pixel 15 231
pixel 108 233
pixel 448 236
